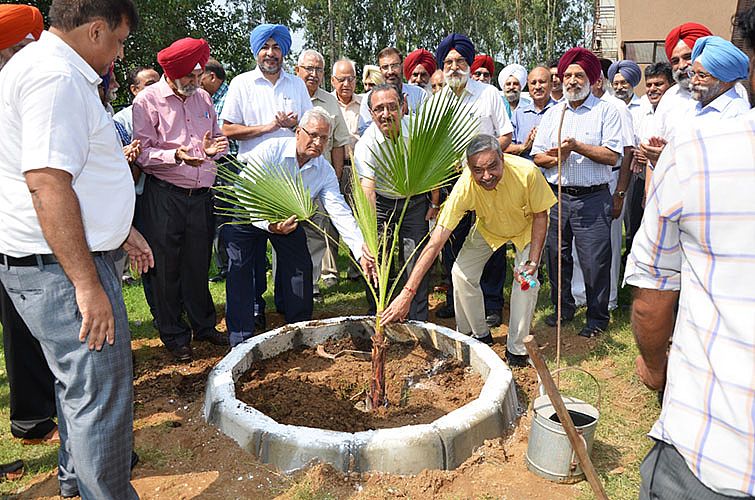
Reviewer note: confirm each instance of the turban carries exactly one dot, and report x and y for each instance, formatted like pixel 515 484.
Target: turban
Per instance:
pixel 688 33
pixel 371 73
pixel 483 61
pixel 183 56
pixel 517 71
pixel 18 22
pixel 265 32
pixel 419 56
pixel 628 69
pixel 461 43
pixel 721 58
pixel 586 59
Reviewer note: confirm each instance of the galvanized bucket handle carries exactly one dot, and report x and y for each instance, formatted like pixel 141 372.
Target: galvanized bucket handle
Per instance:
pixel 541 389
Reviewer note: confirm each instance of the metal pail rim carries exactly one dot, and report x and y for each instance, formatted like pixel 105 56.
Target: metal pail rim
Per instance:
pixel 541 389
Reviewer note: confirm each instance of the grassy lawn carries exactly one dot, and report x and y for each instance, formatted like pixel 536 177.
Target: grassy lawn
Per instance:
pixel 627 408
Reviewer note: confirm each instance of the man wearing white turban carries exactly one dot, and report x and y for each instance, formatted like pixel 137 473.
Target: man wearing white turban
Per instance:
pixel 512 80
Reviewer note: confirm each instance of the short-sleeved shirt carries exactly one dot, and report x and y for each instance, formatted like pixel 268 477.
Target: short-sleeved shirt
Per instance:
pixel 413 95
pixel 163 122
pixel 339 135
pixel 697 236
pixel 506 212
pixel 486 106
pixel 52 117
pixel 524 119
pixel 594 122
pixel 253 100
pixel 318 176
pixel 368 147
pixel 350 114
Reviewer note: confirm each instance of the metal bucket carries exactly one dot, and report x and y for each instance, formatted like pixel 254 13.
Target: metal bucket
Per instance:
pixel 549 453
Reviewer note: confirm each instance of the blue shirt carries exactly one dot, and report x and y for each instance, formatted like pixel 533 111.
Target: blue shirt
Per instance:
pixel 594 122
pixel 524 119
pixel 319 177
pixel 218 101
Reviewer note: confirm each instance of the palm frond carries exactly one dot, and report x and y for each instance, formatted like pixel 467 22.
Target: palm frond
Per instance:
pixel 438 135
pixel 364 213
pixel 267 192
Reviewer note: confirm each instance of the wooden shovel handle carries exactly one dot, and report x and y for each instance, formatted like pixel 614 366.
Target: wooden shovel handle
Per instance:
pixel 577 443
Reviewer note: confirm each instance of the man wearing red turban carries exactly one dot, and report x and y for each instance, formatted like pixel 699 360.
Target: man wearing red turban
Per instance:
pixel 21 25
pixel 419 66
pixel 176 123
pixel 590 147
pixel 482 68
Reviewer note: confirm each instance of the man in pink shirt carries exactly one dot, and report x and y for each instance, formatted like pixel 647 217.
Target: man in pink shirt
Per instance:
pixel 176 123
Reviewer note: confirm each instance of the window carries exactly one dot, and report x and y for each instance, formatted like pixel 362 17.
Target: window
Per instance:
pixel 645 52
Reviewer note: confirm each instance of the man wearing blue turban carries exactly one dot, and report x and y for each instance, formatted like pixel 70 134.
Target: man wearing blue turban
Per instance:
pixel 261 104
pixel 716 66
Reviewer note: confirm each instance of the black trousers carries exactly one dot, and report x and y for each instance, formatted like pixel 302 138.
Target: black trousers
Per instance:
pixel 247 246
pixel 493 274
pixel 587 219
pixel 179 227
pixel 31 383
pixel 634 210
pixel 412 234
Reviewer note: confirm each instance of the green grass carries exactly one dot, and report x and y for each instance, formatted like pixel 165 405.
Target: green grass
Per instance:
pixel 627 410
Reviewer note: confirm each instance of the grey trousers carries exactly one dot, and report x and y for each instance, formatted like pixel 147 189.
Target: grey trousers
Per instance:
pixel 666 476
pixel 93 390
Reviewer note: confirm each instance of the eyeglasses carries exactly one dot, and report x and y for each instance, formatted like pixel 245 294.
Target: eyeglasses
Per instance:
pixel 345 79
pixel 481 73
pixel 702 76
pixel 316 70
pixel 391 108
pixel 460 63
pixel 315 137
pixel 390 67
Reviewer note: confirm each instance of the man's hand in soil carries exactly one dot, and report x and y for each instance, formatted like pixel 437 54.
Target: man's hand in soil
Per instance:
pixel 399 308
pixel 286 227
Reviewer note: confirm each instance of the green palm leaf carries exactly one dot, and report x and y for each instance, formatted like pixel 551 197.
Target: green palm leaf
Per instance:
pixel 438 135
pixel 267 192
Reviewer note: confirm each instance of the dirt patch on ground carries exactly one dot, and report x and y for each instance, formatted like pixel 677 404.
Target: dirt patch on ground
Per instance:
pixel 302 388
pixel 183 458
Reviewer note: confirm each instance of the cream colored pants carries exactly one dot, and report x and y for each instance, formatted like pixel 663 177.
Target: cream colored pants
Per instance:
pixel 468 299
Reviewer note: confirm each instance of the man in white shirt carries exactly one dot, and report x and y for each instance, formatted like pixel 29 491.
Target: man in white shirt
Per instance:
pixel 261 104
pixel 67 207
pixel 301 156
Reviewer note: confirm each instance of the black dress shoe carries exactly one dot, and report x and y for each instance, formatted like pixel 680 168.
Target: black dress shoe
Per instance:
pixel 182 353
pixel 260 323
pixel 590 332
pixel 217 278
pixel 493 319
pixel 517 360
pixel 487 339
pixel 445 312
pixel 213 337
pixel 551 319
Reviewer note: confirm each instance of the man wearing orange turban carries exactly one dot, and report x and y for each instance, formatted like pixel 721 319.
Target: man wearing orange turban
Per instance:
pixel 176 123
pixel 419 66
pixel 482 68
pixel 21 25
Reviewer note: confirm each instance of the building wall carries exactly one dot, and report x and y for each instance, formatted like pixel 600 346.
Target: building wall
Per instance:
pixel 638 20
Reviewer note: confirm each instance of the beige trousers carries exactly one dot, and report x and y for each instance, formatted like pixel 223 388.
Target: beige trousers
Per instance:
pixel 468 299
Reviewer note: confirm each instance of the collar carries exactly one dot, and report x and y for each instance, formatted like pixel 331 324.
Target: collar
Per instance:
pixel 222 90
pixel 529 107
pixel 356 98
pixel 258 75
pixel 719 103
pixel 163 89
pixel 378 134
pixel 72 56
pixel 589 103
pixel 635 101
pixel 289 151
pixel 320 95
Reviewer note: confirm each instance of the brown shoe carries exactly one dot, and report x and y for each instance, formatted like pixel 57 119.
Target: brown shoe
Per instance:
pixel 51 437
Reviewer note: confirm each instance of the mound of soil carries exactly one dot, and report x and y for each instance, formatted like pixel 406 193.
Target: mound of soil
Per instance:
pixel 299 387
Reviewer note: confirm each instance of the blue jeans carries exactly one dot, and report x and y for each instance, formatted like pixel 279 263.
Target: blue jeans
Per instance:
pixel 93 390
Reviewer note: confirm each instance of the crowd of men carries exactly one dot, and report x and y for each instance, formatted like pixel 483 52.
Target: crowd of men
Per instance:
pixel 85 189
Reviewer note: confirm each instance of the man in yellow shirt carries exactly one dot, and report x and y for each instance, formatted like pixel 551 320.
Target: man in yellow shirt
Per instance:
pixel 511 200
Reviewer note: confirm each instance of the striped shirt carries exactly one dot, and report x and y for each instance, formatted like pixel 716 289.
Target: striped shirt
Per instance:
pixel 594 122
pixel 698 236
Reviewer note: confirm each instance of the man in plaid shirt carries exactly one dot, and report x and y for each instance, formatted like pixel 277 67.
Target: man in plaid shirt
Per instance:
pixel 695 246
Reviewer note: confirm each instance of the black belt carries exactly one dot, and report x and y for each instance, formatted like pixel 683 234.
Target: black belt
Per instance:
pixel 43 259
pixel 579 190
pixel 172 187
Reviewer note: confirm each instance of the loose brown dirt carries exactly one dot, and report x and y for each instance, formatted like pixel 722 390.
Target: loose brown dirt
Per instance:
pixel 184 458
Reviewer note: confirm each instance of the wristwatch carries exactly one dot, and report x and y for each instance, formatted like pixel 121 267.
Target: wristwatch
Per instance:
pixel 621 194
pixel 433 205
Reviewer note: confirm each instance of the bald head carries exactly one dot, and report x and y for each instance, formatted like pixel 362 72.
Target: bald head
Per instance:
pixel 540 85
